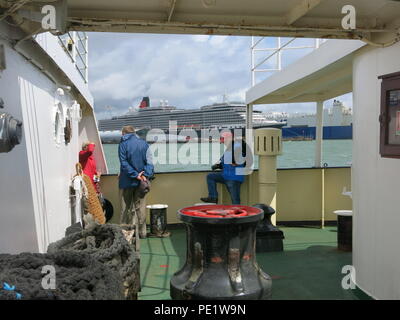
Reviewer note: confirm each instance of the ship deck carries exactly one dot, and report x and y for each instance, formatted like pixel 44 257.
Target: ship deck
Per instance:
pixel 309 268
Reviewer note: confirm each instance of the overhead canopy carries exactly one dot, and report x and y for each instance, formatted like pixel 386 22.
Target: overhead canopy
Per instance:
pixel 321 75
pixel 297 18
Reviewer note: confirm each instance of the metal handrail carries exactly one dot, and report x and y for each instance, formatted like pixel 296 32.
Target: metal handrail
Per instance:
pixel 79 47
pixel 276 52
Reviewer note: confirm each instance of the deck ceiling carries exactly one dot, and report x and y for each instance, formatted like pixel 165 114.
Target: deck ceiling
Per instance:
pixel 298 18
pixel 321 75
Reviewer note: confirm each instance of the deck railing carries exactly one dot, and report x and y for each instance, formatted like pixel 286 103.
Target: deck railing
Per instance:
pixel 76 45
pixel 303 195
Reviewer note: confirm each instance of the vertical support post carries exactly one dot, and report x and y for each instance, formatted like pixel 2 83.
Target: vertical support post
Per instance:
pixel 267 179
pixel 249 117
pixel 249 128
pixel 319 134
pixel 322 198
pixel 249 140
pixel 318 155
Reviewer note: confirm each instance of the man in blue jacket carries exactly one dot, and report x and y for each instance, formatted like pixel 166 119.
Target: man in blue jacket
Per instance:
pixel 136 166
pixel 231 174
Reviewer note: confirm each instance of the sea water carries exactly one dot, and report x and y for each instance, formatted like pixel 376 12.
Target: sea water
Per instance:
pixel 296 154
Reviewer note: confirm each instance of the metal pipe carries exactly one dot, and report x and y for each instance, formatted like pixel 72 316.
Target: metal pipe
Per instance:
pixel 381 45
pixel 253 75
pixel 117 22
pixel 255 44
pixel 74 46
pixel 289 48
pixel 87 58
pixel 278 51
pixel 319 134
pixel 266 70
pixel 171 11
pixel 323 198
pixel 14 8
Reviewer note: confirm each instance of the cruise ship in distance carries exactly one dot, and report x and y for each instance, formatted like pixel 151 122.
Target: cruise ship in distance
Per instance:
pixel 225 115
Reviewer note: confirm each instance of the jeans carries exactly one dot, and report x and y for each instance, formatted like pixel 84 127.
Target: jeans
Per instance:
pixel 232 186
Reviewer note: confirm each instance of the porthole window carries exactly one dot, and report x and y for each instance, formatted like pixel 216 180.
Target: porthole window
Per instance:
pixel 59 124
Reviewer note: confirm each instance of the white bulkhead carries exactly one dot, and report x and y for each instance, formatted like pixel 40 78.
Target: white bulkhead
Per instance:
pixel 375 180
pixel 41 87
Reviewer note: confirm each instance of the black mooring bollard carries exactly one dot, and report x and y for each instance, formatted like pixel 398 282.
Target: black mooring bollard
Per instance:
pixel 220 260
pixel 269 237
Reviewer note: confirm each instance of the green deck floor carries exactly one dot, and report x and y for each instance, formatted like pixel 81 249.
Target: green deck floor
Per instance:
pixel 308 268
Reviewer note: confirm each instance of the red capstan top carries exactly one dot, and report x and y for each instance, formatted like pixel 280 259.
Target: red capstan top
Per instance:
pixel 220 211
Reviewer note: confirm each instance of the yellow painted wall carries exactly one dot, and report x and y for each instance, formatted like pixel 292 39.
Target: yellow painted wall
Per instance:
pixel 299 195
pixel 334 200
pixel 299 192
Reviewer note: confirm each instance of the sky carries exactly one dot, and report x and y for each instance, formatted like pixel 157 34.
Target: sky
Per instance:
pixel 189 71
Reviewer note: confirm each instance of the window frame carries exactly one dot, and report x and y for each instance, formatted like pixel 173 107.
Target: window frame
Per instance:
pixel 390 82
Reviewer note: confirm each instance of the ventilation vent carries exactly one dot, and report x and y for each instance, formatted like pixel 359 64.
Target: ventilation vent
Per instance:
pixel 268 142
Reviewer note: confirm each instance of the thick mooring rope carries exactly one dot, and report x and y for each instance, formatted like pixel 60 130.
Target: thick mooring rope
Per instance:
pixel 107 244
pixel 77 277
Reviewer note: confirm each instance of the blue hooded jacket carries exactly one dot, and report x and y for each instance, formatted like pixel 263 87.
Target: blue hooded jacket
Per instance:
pixel 134 156
pixel 230 171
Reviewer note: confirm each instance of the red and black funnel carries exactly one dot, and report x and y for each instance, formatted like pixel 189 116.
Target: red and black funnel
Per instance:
pixel 145 103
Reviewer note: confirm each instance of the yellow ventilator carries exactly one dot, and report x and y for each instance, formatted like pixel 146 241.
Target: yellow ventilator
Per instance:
pixel 268 145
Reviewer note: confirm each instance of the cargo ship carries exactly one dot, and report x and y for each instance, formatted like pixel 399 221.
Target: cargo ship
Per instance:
pixel 338 123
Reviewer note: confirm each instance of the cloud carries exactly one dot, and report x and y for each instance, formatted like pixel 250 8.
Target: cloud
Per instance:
pixel 187 70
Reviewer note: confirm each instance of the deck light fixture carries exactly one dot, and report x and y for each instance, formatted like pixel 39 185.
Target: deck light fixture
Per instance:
pixel 10 132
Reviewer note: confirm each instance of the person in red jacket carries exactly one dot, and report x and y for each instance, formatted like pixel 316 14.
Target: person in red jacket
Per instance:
pixel 86 159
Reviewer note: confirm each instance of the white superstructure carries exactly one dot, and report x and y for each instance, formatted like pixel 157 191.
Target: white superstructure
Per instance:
pixel 337 68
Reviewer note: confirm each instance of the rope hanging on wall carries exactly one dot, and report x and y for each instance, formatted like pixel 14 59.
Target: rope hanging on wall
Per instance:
pixel 91 201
